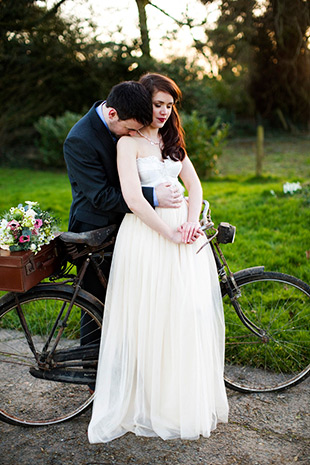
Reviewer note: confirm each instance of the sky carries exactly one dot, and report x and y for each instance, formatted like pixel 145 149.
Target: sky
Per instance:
pixel 123 15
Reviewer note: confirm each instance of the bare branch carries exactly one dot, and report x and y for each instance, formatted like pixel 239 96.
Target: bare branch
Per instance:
pixel 49 13
pixel 188 22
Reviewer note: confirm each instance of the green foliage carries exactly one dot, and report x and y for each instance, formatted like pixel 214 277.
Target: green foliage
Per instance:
pixel 280 81
pixel 204 142
pixel 53 132
pixel 264 58
pixel 46 66
pixel 49 65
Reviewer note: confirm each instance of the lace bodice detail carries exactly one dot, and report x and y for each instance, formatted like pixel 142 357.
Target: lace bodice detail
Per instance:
pixel 152 171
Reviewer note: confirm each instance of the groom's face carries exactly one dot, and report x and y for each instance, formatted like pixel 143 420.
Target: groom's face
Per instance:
pixel 125 127
pixel 122 127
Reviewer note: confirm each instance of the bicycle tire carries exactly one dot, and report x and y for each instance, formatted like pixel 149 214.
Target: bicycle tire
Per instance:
pixel 279 304
pixel 26 399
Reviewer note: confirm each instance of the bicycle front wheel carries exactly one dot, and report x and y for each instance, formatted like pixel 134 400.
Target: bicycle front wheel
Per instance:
pixel 30 395
pixel 279 307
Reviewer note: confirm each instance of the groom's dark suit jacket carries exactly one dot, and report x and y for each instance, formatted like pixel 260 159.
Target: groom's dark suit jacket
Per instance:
pixel 90 155
pixel 97 201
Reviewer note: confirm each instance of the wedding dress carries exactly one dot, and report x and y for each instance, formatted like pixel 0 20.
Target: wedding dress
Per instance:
pixel 160 370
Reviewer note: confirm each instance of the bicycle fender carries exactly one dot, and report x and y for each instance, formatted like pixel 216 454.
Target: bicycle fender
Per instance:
pixel 254 270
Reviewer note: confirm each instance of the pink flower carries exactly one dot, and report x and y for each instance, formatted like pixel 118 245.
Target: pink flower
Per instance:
pixel 13 225
pixel 24 239
pixel 38 223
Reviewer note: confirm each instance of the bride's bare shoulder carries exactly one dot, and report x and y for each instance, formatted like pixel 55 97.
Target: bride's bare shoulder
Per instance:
pixel 127 142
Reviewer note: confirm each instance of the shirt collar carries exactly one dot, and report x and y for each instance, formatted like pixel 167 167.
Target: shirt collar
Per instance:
pixel 100 114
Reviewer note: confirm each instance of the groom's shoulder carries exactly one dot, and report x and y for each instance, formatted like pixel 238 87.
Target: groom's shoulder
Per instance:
pixel 87 123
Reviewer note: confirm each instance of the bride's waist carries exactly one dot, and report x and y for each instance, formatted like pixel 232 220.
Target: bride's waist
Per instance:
pixel 173 216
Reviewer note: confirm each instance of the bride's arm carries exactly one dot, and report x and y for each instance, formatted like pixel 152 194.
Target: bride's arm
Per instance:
pixel 191 229
pixel 132 192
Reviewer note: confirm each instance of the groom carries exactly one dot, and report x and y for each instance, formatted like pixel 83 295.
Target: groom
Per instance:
pixel 90 155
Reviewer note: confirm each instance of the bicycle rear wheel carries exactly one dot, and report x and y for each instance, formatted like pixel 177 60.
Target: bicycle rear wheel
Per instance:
pixel 279 305
pixel 29 395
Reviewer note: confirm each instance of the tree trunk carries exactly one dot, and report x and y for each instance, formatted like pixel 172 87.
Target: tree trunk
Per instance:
pixel 144 33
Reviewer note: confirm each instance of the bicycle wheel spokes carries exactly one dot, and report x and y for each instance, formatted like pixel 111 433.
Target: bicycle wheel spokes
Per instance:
pixel 25 396
pixel 280 306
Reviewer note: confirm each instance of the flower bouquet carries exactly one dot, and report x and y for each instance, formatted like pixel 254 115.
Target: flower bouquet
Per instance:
pixel 27 228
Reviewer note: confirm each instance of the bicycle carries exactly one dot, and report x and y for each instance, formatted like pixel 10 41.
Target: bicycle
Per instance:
pixel 45 372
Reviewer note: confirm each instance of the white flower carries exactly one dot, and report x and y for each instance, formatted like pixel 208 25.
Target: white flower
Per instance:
pixel 30 213
pixel 3 225
pixel 31 204
pixel 291 187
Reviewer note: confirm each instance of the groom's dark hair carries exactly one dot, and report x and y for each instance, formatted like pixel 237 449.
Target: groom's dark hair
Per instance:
pixel 131 100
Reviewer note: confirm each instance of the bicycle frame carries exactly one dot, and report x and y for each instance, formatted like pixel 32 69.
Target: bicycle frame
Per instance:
pixel 227 278
pixel 93 255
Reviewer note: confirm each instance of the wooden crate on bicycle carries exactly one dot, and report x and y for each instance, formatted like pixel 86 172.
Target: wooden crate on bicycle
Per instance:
pixel 20 271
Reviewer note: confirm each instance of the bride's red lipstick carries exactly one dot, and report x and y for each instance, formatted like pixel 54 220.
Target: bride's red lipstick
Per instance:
pixel 162 120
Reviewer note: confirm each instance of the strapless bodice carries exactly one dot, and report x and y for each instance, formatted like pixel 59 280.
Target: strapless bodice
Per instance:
pixel 153 172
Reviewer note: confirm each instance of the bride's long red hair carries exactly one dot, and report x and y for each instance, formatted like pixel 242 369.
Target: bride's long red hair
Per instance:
pixel 172 132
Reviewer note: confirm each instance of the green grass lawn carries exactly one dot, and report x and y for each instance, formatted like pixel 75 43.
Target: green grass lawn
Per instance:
pixel 272 229
pixel 284 157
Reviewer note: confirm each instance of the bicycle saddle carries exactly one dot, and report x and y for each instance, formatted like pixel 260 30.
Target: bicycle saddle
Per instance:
pixel 92 238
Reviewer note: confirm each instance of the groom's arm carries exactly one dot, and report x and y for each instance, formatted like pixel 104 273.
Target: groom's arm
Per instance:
pixel 88 175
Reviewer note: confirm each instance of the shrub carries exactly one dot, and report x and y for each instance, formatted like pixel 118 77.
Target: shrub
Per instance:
pixel 53 132
pixel 204 143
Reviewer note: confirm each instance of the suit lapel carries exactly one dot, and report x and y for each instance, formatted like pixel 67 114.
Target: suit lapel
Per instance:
pixel 108 146
pixel 101 130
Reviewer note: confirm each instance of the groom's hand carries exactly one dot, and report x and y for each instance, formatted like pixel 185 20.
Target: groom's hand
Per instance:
pixel 168 196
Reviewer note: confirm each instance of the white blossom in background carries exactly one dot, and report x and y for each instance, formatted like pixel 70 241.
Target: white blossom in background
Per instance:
pixel 291 187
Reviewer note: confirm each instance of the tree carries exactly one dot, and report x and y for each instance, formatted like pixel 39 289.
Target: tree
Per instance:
pixel 46 67
pixel 280 80
pixel 49 66
pixel 264 49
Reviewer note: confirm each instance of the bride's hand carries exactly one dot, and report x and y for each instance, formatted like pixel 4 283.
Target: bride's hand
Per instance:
pixel 176 237
pixel 190 232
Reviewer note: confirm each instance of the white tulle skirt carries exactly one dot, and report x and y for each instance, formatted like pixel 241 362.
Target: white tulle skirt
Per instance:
pixel 161 357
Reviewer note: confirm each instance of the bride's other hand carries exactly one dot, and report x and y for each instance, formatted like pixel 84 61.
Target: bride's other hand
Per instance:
pixel 190 232
pixel 176 237
pixel 168 196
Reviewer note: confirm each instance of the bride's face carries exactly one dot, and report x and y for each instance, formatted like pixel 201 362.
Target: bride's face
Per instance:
pixel 162 107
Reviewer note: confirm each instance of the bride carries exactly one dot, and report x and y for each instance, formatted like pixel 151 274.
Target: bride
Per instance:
pixel 161 361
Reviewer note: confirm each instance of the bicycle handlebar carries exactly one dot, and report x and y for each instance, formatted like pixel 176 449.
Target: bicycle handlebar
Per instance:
pixel 206 222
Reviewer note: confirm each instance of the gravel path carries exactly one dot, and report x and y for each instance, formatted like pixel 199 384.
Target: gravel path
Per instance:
pixel 264 429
